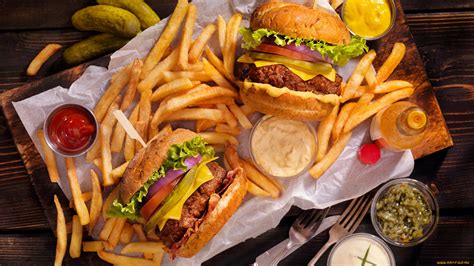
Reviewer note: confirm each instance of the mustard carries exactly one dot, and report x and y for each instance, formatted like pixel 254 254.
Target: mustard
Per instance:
pixel 367 18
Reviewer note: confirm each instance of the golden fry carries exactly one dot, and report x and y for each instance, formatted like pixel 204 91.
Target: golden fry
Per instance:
pixel 217 63
pixel 79 204
pixel 61 234
pixel 216 75
pixel 132 84
pixel 111 93
pixel 221 31
pixel 186 37
pixel 143 247
pixel 119 133
pixel 118 171
pixel 107 229
pixel 198 76
pixel 178 85
pixel 96 202
pixel 156 75
pixel 49 157
pixel 116 232
pixel 241 117
pixel 324 133
pixel 246 110
pixel 358 76
pixel 370 77
pixel 395 57
pixel 255 190
pixel 201 41
pixel 232 33
pixel 127 234
pixel 145 112
pixel 76 238
pixel 320 168
pixel 166 37
pixel 224 128
pixel 92 246
pixel 142 238
pixel 123 260
pixel 228 116
pixel 48 51
pixel 158 257
pixel 360 115
pixel 218 138
pixel 203 125
pixel 341 119
pixel 197 114
pixel 129 146
pixel 108 201
pixel 231 156
pixel 259 179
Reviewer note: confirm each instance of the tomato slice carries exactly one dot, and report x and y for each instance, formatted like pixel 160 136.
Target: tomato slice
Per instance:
pixel 273 49
pixel 150 206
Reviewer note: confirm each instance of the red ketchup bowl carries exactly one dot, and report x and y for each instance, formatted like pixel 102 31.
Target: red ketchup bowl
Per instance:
pixel 70 129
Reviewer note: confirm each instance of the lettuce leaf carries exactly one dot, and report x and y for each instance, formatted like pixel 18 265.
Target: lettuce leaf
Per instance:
pixel 340 54
pixel 177 154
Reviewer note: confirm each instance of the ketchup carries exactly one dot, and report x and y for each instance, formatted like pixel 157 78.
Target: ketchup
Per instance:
pixel 71 128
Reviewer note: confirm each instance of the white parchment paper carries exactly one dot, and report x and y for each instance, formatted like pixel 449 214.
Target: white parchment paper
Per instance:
pixel 346 179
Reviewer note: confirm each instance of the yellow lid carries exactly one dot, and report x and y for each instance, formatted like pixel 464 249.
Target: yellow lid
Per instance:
pixel 416 119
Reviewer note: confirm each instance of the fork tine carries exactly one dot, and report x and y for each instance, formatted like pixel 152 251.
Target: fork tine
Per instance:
pixel 361 216
pixel 319 216
pixel 311 214
pixel 301 218
pixel 343 215
pixel 352 211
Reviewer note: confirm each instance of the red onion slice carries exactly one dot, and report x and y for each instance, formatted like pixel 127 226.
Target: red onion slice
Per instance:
pixel 171 175
pixel 302 48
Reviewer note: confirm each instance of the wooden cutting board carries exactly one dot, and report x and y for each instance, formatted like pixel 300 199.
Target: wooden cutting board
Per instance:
pixel 411 69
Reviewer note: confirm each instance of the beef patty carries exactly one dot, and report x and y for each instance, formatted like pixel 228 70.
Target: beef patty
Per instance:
pixel 280 76
pixel 194 207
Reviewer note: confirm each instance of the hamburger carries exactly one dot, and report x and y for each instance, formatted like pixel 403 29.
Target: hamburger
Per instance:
pixel 288 68
pixel 179 191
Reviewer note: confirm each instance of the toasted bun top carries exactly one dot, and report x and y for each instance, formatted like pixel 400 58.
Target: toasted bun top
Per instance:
pixel 298 21
pixel 149 159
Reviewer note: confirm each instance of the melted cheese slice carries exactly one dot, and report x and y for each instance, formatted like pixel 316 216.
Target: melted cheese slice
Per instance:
pixel 203 174
pixel 276 92
pixel 304 75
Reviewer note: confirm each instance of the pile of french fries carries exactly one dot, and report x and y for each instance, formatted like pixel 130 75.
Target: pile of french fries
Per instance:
pixel 358 105
pixel 189 82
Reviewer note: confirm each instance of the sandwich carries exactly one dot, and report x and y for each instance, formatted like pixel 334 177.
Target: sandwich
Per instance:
pixel 288 68
pixel 178 190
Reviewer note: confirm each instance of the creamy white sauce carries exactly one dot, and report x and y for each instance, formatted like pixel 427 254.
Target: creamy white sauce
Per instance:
pixel 351 251
pixel 283 147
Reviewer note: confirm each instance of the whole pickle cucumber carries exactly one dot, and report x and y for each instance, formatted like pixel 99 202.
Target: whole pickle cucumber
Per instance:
pixel 144 13
pixel 92 47
pixel 107 19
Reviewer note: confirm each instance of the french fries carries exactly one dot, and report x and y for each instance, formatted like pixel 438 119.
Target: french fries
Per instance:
pixel 76 238
pixel 166 37
pixel 241 117
pixel 92 246
pixel 49 157
pixel 199 76
pixel 156 75
pixel 142 238
pixel 132 84
pixel 108 201
pixel 255 190
pixel 395 57
pixel 61 234
pixel 123 260
pixel 197 114
pixel 259 179
pixel 129 146
pixel 215 75
pixel 143 247
pixel 218 138
pixel 370 77
pixel 175 86
pixel 324 133
pixel 221 31
pixel 360 115
pixel 224 128
pixel 96 201
pixel 217 63
pixel 183 59
pixel 79 204
pixel 385 87
pixel 228 116
pixel 107 229
pixel 111 93
pixel 48 51
pixel 127 234
pixel 201 41
pixel 86 196
pixel 232 32
pixel 203 125
pixel 145 112
pixel 320 168
pixel 114 236
pixel 341 119
pixel 358 75
pixel 105 134
pixel 118 171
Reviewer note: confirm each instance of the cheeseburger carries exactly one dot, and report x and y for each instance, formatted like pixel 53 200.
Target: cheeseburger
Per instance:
pixel 287 70
pixel 176 187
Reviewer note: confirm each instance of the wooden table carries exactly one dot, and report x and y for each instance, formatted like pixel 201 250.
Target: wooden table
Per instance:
pixel 444 34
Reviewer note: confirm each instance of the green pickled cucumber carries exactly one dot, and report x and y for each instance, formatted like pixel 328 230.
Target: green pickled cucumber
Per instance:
pixel 92 47
pixel 107 19
pixel 144 13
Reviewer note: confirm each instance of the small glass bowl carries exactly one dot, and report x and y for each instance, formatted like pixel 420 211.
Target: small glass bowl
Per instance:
pixel 260 168
pixel 393 11
pixel 364 235
pixel 430 200
pixel 55 147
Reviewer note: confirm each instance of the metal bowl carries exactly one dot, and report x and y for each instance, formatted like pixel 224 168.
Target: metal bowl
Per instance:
pixel 55 147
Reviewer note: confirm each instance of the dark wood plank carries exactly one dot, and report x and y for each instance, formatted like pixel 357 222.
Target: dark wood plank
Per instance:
pixel 53 14
pixel 437 5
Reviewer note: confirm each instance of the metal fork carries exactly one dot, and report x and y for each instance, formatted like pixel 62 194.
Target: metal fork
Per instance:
pixel 347 223
pixel 302 230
